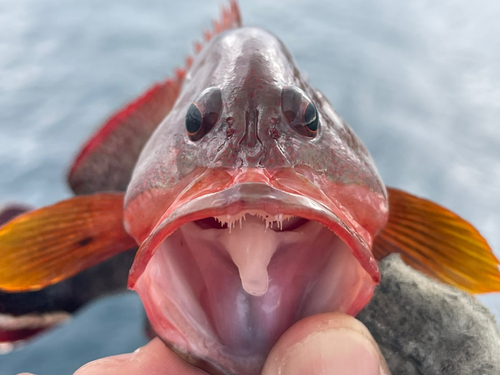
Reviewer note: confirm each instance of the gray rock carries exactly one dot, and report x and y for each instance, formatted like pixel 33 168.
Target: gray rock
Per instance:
pixel 425 327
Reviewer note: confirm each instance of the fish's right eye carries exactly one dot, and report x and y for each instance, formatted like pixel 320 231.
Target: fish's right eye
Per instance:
pixel 203 113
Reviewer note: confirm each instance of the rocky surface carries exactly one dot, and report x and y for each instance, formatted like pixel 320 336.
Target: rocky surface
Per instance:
pixel 425 327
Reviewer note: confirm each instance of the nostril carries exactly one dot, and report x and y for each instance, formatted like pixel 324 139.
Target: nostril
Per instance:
pixel 275 134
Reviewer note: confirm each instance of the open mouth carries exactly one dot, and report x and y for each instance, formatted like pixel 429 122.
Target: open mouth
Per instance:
pixel 229 272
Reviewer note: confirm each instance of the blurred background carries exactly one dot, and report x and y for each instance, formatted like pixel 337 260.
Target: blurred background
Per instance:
pixel 419 82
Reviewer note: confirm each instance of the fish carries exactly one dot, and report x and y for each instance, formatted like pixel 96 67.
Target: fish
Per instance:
pixel 251 202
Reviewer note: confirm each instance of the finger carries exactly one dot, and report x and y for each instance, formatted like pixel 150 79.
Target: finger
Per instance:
pixel 326 344
pixel 154 358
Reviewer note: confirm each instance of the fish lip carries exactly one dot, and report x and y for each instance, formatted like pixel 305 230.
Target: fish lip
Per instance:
pixel 261 196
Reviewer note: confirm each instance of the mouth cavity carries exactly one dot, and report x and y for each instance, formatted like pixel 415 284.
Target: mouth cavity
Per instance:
pixel 251 239
pixel 223 288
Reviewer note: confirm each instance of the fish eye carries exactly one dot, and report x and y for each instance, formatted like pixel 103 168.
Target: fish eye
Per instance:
pixel 203 113
pixel 311 118
pixel 194 120
pixel 299 111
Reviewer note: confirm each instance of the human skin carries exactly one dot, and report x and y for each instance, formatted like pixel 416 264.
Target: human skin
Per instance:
pixel 331 343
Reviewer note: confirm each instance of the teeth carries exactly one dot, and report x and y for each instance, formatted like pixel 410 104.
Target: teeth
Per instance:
pixel 270 220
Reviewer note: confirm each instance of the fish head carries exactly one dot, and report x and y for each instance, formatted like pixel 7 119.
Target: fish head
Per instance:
pixel 255 205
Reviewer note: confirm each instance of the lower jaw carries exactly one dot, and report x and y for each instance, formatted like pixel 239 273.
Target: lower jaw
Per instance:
pixel 196 303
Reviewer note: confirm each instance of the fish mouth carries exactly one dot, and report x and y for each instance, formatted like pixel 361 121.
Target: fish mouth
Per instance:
pixel 225 274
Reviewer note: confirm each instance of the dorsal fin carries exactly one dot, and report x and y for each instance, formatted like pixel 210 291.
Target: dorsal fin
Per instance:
pixel 106 161
pixel 438 243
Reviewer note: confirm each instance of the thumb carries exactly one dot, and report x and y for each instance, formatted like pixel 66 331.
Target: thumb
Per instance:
pixel 326 344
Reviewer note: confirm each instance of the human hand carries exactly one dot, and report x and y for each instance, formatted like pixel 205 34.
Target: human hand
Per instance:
pixel 331 343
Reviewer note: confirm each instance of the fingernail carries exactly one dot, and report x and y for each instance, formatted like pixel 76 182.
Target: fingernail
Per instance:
pixel 336 351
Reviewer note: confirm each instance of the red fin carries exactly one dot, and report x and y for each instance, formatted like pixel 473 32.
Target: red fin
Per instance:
pixel 438 243
pixel 55 242
pixel 106 162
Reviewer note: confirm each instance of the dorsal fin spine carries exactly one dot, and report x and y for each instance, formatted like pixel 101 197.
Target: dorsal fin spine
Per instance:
pixel 230 18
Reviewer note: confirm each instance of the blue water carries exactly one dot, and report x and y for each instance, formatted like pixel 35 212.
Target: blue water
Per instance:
pixel 418 82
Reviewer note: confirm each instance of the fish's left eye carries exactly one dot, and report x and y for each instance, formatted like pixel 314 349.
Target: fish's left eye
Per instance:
pixel 311 118
pixel 299 111
pixel 203 113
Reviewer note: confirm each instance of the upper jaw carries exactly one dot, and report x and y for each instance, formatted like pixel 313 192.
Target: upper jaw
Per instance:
pixel 251 197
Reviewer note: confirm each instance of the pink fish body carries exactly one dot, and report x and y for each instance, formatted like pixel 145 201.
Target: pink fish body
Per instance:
pixel 298 192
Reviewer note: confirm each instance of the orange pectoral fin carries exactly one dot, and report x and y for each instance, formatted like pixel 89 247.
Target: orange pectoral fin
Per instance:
pixel 43 247
pixel 438 243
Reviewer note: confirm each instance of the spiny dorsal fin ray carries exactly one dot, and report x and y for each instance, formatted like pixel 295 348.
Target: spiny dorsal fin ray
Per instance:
pixel 45 246
pixel 438 243
pixel 106 161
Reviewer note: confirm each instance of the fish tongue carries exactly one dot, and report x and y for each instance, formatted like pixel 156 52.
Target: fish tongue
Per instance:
pixel 251 247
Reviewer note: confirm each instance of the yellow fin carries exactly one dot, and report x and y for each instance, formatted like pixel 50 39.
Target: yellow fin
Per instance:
pixel 42 247
pixel 438 243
